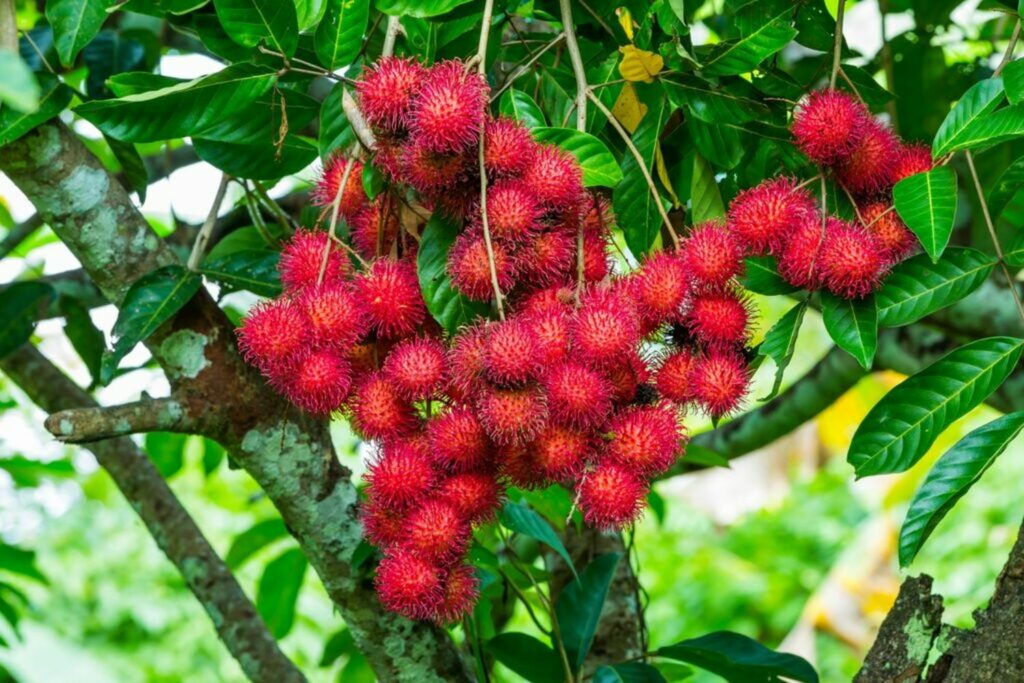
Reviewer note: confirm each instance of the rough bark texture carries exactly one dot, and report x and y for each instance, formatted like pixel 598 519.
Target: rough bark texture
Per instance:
pixel 906 636
pixel 287 453
pixel 214 586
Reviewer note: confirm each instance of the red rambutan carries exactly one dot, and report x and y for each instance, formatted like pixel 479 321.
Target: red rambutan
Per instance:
pixel 562 452
pixel 720 379
pixel 511 352
pixel 799 262
pixel 408 584
pixel 868 169
pixel 373 224
pixel 596 262
pixel 719 316
pixel 546 257
pixel 763 216
pixel 508 148
pixel 598 216
pixel 512 211
pixel 519 465
pixel 417 367
pixel 429 172
pixel 577 394
pixel 554 177
pixel 611 496
pixel 828 125
pixel 466 358
pixel 852 260
pixel 512 416
pixel 660 288
pixel 460 591
pixel 303 256
pixel 273 333
pixel 626 374
pixel 910 160
pixel 385 90
pixel 378 411
pixel 317 382
pixel 470 270
pixel 363 359
pixel 644 439
pixel 458 441
pixel 476 495
pixel 448 110
pixel 383 525
pixel 435 530
pixel 401 475
pixel 673 377
pixel 605 326
pixel 334 315
pixel 713 255
pixel 892 233
pixel 550 327
pixel 326 188
pixel 390 295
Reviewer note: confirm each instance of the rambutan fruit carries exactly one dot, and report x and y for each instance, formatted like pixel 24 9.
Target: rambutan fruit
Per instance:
pixel 390 294
pixel 519 466
pixel 363 359
pixel 553 298
pixel 374 229
pixel 387 158
pixel 625 375
pixel 644 439
pixel 577 394
pixel 910 160
pixel 273 333
pixel 660 288
pixel 596 260
pixel 512 416
pixel 720 379
pixel 550 328
pixel 892 233
pixel 318 382
pixel 303 256
pixel 611 496
pixel 763 216
pixel 417 367
pixel 378 411
pixel 719 316
pixel 508 148
pixel 554 177
pixel 466 358
pixel 562 452
pixel 868 168
pixel 469 268
pixel 383 525
pixel 401 475
pixel 713 255
pixel 605 325
pixel 429 172
pixel 435 530
pixel 325 190
pixel 512 211
pixel 448 111
pixel 597 214
pixel 828 125
pixel 458 442
pixel 460 590
pixel 386 89
pixel 852 260
pixel 545 258
pixel 799 262
pixel 409 584
pixel 673 377
pixel 476 495
pixel 334 315
pixel 511 352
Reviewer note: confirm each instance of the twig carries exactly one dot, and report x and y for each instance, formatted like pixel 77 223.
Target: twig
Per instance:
pixel 640 162
pixel 526 603
pixel 597 17
pixel 335 210
pixel 853 203
pixel 1010 282
pixel 838 47
pixel 83 425
pixel 211 219
pixel 877 218
pixel 390 35
pixel 282 218
pixel 886 55
pixel 1008 55
pixel 355 118
pixel 577 64
pixel 8 26
pixel 853 87
pixel 807 182
pixel 481 55
pixel 522 69
pixel 352 252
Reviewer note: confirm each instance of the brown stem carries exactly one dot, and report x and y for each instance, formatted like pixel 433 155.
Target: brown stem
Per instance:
pixel 95 423
pixel 837 48
pixel 481 58
pixel 199 247
pixel 1011 46
pixel 577 64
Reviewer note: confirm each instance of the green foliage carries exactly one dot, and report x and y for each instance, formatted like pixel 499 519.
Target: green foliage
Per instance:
pixel 18 87
pixel 920 286
pixel 339 34
pixel 251 22
pixel 20 306
pixel 279 590
pixel 75 23
pixel 527 656
pixel 578 607
pixel 737 657
pixel 522 520
pixel 53 99
pixel 927 204
pixel 449 307
pixel 254 270
pixel 780 342
pixel 598 164
pixel 853 325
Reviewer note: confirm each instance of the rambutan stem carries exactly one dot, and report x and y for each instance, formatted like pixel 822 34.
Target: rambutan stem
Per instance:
pixel 1011 46
pixel 335 210
pixel 640 162
pixel 853 203
pixel 390 35
pixel 838 47
pixel 199 246
pixel 356 119
pixel 275 208
pixel 1010 282
pixel 349 250
pixel 807 182
pixel 8 26
pixel 577 64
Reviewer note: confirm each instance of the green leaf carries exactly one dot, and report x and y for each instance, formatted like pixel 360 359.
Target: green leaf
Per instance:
pixel 1004 189
pixel 721 145
pixel 1013 80
pixel 711 104
pixel 705 197
pixel 980 99
pixel 84 336
pixel 167 451
pixel 20 306
pixel 579 605
pixel 1014 255
pixel 521 107
pixel 135 82
pixel 918 287
pixel 736 57
pixel 335 131
pixel 874 95
pixel 761 275
pixel 30 473
pixel 417 8
pixel 699 455
pixel 628 672
pixel 54 99
pixel 339 36
pixel 904 424
pixel 523 520
pixel 736 657
pixel 278 591
pixel 526 656
pixel 131 164
pixel 632 197
pixel 992 128
pixel 21 562
pixel 951 477
pixel 254 539
pixel 197 105
pixel 250 22
pixel 257 161
pixel 927 204
pixel 75 23
pixel 853 325
pixel 18 87
pixel 260 122
pixel 254 270
pixel 598 164
pixel 450 308
pixel 340 643
pixel 150 302
pixel 779 343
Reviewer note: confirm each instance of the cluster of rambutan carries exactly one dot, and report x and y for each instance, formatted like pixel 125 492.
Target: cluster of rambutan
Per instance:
pixel 781 218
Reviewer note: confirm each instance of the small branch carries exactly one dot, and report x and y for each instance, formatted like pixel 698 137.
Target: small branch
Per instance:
pixel 853 86
pixel 19 233
pixel 597 17
pixel 640 162
pixel 8 26
pixel 1011 283
pixel 481 58
pixel 837 49
pixel 84 425
pixel 355 118
pixel 391 32
pixel 523 68
pixel 886 55
pixel 853 203
pixel 577 64
pixel 199 247
pixel 275 208
pixel 1008 55
pixel 335 210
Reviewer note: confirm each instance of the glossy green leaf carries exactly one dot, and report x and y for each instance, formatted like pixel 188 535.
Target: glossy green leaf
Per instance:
pixel 83 334
pixel 1013 81
pixel 167 451
pixel 736 657
pixel 310 13
pixel 779 343
pixel 254 539
pixel 628 672
pixel 20 306
pixel 373 181
pixel 579 605
pixel 905 423
pixel 520 106
pixel 522 520
pixel 260 122
pixel 528 657
pixel 721 145
pixel 335 131
pixel 278 591
pixel 853 325
pixel 1014 254
pixel 18 87
pixel 417 8
pixel 75 23
pixel 111 52
pixel 951 477
pixel 135 82
pixel 197 105
pixel 450 308
pixel 918 287
pixel 257 161
pixel 150 302
pixel 927 204
pixel 340 33
pixel 980 99
pixel 253 270
pixel 710 103
pixel 598 164
pixel 632 197
pixel 867 87
pixel 54 99
pixel 992 128
pixel 705 197
pixel 250 22
pixel 740 56
pixel 1009 184
pixel 761 275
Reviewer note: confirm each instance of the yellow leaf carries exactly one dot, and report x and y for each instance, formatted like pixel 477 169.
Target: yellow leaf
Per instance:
pixel 625 21
pixel 639 65
pixel 628 108
pixel 659 164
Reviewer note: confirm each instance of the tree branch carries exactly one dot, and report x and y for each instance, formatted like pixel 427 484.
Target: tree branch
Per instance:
pixel 906 636
pixel 233 615
pixel 356 119
pixel 95 423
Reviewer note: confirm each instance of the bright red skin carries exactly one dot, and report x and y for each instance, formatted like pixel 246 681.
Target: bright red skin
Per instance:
pixel 385 91
pixel 325 191
pixel 511 352
pixel 390 294
pixel 400 476
pixel 644 439
pixel 378 411
pixel 319 382
pixel 721 379
pixel 458 441
pixel 611 496
pixel 897 241
pixel 852 260
pixel 562 452
pixel 334 315
pixel 512 211
pixel 799 260
pixel 302 258
pixel 409 585
pixel 555 178
pixel 828 125
pixel 512 416
pixel 673 377
pixel 763 217
pixel 436 531
pixel 911 159
pixel 476 495
pixel 605 326
pixel 868 169
pixel 508 148
pixel 578 395
pixel 448 111
pixel 364 229
pixel 417 367
pixel 661 288
pixel 460 593
pixel 719 317
pixel 273 334
pixel 470 270
pixel 712 254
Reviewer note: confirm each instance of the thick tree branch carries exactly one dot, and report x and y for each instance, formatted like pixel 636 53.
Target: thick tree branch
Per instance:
pixel 95 423
pixel 233 615
pixel 906 636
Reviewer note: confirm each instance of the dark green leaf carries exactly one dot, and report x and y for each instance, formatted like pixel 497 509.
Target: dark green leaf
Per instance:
pixel 736 657
pixel 740 56
pixel 167 451
pixel 20 306
pixel 720 145
pixel 260 122
pixel 310 13
pixel 598 164
pixel 904 424
pixel 449 307
pixel 217 41
pixel 53 100
pixel 699 455
pixel 373 181
pixel 18 87
pixel 257 161
pixel 525 655
pixel 340 643
pixel 632 197
pixel 278 591
pixel 417 8
pixel 213 456
pixel 520 106
pixel 779 343
pixel 335 131
pixel 927 204
pixel 1013 80
pixel 108 54
pixel 150 302
pixel 75 23
pixel 21 562
pixel 135 82
pixel 980 99
pixel 1009 183
pixel 918 287
pixel 629 672
pixel 254 539
pixel 868 88
pixel 84 336
pixel 340 33
pixel 951 477
pixel 579 605
pixel 761 275
pixel 709 103
pixel 705 197
pixel 523 520
pixel 992 128
pixel 250 22
pixel 252 270
pixel 853 325
pixel 1014 255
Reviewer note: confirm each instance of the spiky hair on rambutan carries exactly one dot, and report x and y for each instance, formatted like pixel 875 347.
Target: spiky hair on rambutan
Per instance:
pixel 401 474
pixel 436 530
pixel 605 325
pixel 869 167
pixel 828 125
pixel 363 358
pixel 385 91
pixel 563 452
pixel 577 395
pixel 317 382
pixel 272 334
pixel 460 590
pixel 390 294
pixel 672 379
pixel 626 374
pixel 644 439
pixel 470 270
pixel 512 416
pixel 508 148
pixel 518 466
pixel 408 584
pixel 476 495
pixel 799 262
pixel 910 160
pixel 383 525
pixel 417 367
pixel 597 214
pixel 449 108
pixel 611 496
pixel 550 327
pixel 458 441
pixel 762 217
pixel 661 287
pixel 334 315
pixel 545 258
pixel 511 353
pixel 374 229
pixel 896 239
pixel 852 260
pixel 721 378
pixel 302 258
pixel 378 411
pixel 713 254
pixel 554 177
pixel 596 260
pixel 466 358
pixel 429 172
pixel 328 182
pixel 720 316
pixel 512 211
